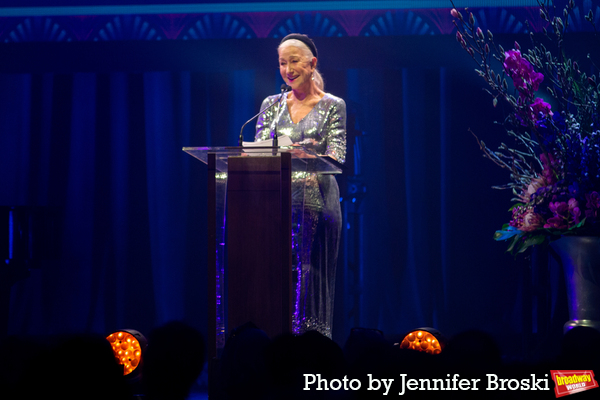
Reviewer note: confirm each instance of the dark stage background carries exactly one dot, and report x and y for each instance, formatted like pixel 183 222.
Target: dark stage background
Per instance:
pixel 94 129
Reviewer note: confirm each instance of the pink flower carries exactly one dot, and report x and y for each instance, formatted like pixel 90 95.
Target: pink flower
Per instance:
pixel 540 109
pixel 573 203
pixel 512 60
pixel 479 33
pixel 533 187
pixel 566 214
pixel 525 219
pixel 548 164
pixel 575 211
pixel 461 40
pixel 517 218
pixel 536 184
pixel 531 221
pixel 555 222
pixel 593 204
pixel 558 208
pixel 522 73
pixel 454 13
pixel 593 200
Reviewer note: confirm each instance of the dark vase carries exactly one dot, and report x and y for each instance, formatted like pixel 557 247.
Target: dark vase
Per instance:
pixel 580 259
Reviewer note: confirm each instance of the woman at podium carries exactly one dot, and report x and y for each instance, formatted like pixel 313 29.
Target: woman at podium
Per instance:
pixel 316 120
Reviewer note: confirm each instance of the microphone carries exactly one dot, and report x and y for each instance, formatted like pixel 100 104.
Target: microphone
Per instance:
pixel 284 89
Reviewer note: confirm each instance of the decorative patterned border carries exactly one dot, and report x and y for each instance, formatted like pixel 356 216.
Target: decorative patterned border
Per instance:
pixel 248 25
pixel 30 8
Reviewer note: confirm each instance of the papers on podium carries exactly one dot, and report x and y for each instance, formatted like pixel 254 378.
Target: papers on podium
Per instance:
pixel 282 141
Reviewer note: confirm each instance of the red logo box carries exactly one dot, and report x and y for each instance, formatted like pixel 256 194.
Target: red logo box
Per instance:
pixel 569 382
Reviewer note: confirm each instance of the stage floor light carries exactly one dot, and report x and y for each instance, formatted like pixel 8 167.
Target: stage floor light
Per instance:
pixel 428 340
pixel 128 346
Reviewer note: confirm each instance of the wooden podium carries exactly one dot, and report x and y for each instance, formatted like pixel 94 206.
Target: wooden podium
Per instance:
pixel 250 236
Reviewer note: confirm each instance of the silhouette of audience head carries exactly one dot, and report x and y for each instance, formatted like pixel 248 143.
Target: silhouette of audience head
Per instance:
pixel 473 350
pixel 173 361
pixel 65 367
pixel 242 369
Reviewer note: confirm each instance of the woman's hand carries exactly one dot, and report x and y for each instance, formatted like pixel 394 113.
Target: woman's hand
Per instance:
pixel 299 152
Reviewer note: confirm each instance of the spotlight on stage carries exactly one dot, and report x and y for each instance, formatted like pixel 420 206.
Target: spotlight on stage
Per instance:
pixel 128 346
pixel 427 340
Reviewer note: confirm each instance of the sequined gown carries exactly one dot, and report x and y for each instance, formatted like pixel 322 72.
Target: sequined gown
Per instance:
pixel 316 215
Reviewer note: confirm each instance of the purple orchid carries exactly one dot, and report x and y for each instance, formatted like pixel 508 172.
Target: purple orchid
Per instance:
pixel 565 214
pixel 524 77
pixel 540 109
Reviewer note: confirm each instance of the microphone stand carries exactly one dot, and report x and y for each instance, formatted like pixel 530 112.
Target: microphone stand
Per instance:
pixel 284 89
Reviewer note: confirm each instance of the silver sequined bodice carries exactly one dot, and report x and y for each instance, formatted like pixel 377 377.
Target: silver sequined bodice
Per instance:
pixel 323 129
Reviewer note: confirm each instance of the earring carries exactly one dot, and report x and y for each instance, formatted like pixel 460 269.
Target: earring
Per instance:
pixel 312 75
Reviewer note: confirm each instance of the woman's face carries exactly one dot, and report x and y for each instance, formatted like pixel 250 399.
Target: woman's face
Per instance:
pixel 294 68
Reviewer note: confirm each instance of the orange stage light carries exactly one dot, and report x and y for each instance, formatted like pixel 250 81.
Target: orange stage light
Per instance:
pixel 128 346
pixel 427 340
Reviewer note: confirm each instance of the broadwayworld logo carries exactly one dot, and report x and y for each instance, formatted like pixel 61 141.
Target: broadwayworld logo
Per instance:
pixel 569 382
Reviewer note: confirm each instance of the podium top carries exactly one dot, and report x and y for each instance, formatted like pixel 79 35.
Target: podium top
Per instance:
pixel 302 159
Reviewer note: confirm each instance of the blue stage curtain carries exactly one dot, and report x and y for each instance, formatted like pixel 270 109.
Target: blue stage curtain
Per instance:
pixel 105 150
pixel 428 216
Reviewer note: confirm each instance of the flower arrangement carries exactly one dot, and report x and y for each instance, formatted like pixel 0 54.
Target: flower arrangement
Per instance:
pixel 554 164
